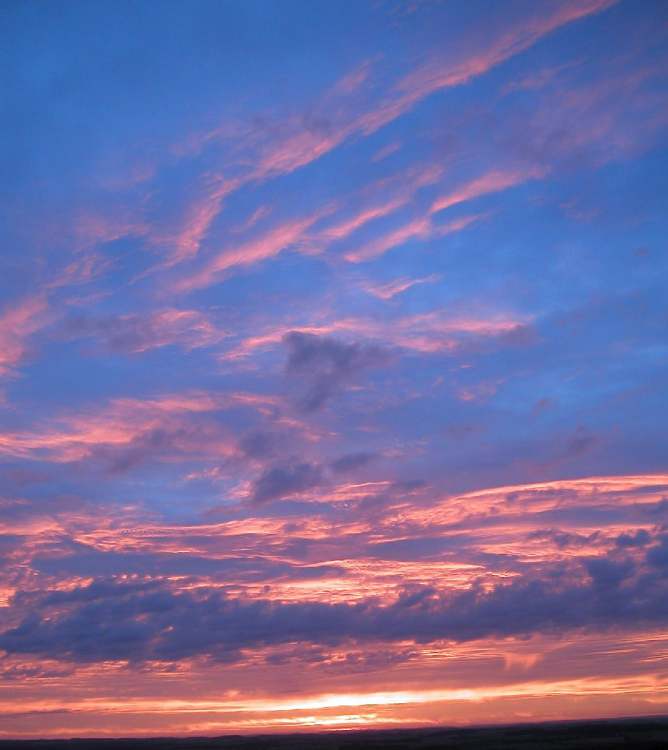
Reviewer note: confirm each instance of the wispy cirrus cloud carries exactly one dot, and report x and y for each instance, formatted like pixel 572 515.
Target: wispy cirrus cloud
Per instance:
pixel 298 145
pixel 18 322
pixel 190 329
pixel 420 229
pixel 491 182
pixel 316 232
pixel 438 330
pixel 424 228
pixel 398 286
pixel 265 246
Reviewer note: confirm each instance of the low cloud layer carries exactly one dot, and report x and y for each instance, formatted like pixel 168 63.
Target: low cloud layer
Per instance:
pixel 151 622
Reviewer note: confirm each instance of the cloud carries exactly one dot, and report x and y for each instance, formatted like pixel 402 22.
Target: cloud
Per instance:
pixel 259 444
pixel 267 245
pixel 518 36
pixel 398 286
pixel 137 333
pixel 197 220
pixel 491 182
pixel 421 228
pixel 658 556
pixel 463 568
pixel 579 443
pixel 436 331
pixel 352 461
pixel 135 622
pixel 425 228
pixel 325 364
pixel 343 112
pixel 612 113
pixel 127 428
pixel 17 324
pixel 640 538
pixel 312 233
pixel 285 481
pixel 563 539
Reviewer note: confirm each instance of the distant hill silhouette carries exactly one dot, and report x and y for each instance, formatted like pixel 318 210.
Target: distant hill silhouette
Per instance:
pixel 637 734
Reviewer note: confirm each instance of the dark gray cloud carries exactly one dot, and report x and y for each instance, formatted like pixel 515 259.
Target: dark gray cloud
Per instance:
pixel 281 481
pixel 638 539
pixel 352 461
pixel 325 365
pixel 564 539
pixel 137 622
pixel 259 444
pixel 658 556
pixel 183 440
pixel 121 334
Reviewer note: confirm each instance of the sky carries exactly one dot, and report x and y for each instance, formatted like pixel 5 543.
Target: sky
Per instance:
pixel 333 364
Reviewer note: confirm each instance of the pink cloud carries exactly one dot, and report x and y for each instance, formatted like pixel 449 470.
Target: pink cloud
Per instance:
pixel 198 220
pixel 307 235
pixel 386 151
pixel 398 286
pixel 17 325
pixel 349 115
pixel 440 74
pixel 346 227
pixel 266 246
pixel 421 228
pixel 492 182
pixel 432 332
pixel 126 420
